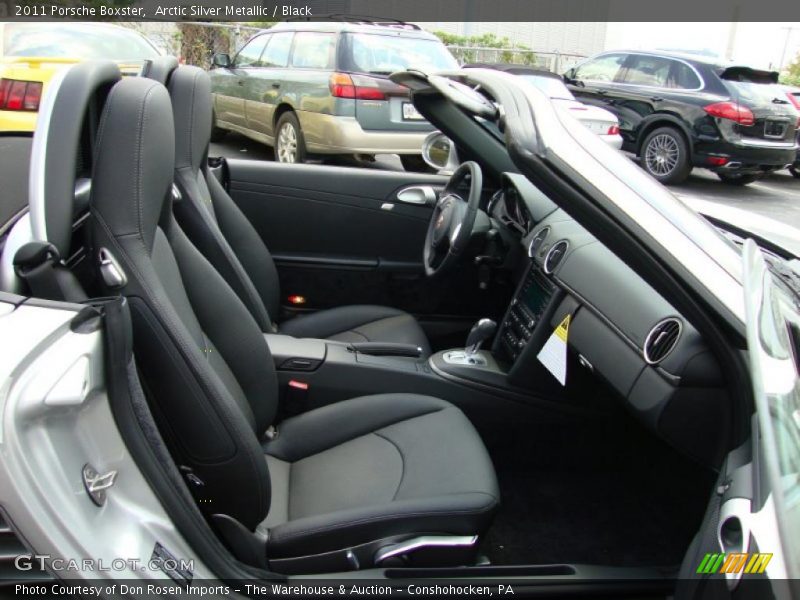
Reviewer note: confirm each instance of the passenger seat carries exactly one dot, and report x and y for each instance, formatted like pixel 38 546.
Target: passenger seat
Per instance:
pixel 369 481
pixel 220 230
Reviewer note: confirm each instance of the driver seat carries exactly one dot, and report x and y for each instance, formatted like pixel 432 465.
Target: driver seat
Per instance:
pixel 219 229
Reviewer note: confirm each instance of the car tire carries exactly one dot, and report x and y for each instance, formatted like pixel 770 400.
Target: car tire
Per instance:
pixel 290 146
pixel 733 179
pixel 795 172
pixel 665 155
pixel 414 163
pixel 217 133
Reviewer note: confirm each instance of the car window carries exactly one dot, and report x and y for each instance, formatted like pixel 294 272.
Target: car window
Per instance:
pixel 248 56
pixel 554 88
pixel 75 40
pixel 651 71
pixel 384 54
pixel 277 52
pixel 313 50
pixel 603 68
pixel 683 77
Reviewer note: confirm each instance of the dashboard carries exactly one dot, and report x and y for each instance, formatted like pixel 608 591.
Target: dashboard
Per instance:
pixel 621 330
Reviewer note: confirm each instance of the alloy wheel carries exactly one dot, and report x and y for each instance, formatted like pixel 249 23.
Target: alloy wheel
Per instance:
pixel 661 155
pixel 287 144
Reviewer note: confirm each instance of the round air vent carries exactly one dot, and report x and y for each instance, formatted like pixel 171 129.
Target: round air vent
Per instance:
pixel 537 241
pixel 554 256
pixel 661 340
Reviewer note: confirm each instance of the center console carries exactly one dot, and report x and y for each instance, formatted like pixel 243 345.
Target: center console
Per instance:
pixel 528 307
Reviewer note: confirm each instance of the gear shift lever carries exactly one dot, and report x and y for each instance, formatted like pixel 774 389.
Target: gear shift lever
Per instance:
pixel 480 332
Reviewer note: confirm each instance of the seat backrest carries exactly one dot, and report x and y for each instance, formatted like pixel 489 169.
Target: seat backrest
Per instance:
pixel 205 364
pixel 206 212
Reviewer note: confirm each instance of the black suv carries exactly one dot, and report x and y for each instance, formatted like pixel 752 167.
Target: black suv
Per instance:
pixel 677 112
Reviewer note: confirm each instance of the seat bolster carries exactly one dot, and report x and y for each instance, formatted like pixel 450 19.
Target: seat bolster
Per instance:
pixel 451 514
pixel 328 426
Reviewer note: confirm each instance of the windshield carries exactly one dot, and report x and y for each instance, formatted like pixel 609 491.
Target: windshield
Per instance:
pixel 373 53
pixel 84 41
pixel 554 88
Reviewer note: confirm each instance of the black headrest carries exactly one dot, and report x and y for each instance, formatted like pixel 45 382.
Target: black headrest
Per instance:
pixel 159 69
pixel 134 168
pixel 190 89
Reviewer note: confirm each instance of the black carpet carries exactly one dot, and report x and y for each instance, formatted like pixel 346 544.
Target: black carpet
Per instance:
pixel 606 493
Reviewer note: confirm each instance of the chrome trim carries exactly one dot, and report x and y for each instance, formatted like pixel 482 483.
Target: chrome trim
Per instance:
pixel 417 194
pixel 652 331
pixel 759 143
pixel 424 541
pixel 549 252
pixel 36 178
pixel 546 231
pixel 463 357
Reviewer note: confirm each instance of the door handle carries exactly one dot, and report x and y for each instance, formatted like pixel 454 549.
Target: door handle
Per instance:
pixel 656 99
pixel 601 92
pixel 417 194
pixel 276 85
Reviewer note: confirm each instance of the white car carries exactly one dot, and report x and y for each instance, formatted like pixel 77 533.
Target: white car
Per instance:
pixel 597 120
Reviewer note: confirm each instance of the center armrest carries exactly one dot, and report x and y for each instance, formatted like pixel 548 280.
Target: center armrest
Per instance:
pixel 296 354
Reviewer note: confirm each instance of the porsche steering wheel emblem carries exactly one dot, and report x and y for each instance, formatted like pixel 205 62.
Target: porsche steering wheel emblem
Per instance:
pixel 440 221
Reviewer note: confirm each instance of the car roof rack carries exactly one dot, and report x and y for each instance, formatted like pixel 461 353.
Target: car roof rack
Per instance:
pixel 360 20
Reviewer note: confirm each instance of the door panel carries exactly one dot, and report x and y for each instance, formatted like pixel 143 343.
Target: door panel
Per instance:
pixel 341 236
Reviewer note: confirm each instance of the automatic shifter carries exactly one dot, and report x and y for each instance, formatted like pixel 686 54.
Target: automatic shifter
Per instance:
pixel 480 332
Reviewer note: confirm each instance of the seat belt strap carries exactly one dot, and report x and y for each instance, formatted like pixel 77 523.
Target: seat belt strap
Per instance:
pixel 39 265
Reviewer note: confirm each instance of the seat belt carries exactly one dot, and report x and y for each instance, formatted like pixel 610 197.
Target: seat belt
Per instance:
pixel 40 266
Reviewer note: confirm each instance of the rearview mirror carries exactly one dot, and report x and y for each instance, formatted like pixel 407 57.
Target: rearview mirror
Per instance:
pixel 439 152
pixel 221 60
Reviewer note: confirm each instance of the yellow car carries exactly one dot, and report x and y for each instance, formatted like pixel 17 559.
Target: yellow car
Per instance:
pixel 32 53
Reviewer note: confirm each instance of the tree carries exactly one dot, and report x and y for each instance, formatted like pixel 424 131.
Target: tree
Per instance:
pixel 792 74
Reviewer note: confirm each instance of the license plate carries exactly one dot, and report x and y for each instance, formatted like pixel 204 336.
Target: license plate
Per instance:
pixel 410 113
pixel 774 129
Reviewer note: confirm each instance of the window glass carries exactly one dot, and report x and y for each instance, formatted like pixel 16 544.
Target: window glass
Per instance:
pixel 603 68
pixel 384 54
pixel 248 56
pixel 313 50
pixel 648 70
pixel 75 40
pixel 683 77
pixel 277 52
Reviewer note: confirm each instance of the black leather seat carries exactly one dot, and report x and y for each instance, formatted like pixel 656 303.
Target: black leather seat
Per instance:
pixel 341 482
pixel 229 241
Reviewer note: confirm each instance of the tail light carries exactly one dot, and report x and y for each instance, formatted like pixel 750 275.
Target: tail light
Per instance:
pixel 357 87
pixel 613 130
pixel 20 95
pixel 732 111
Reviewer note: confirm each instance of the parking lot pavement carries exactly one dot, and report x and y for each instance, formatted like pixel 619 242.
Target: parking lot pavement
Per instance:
pixel 776 197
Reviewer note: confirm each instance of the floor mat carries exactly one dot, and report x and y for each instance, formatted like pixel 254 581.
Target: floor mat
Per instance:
pixel 609 493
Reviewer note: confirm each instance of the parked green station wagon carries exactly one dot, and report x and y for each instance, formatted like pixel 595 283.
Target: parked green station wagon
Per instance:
pixel 323 88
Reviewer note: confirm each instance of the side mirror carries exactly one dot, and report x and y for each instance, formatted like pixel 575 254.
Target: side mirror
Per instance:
pixel 439 152
pixel 221 60
pixel 569 76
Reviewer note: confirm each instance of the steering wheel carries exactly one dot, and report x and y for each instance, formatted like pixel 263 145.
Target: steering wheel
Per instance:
pixel 452 220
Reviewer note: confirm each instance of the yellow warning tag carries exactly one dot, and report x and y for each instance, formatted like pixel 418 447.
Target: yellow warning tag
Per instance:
pixel 563 329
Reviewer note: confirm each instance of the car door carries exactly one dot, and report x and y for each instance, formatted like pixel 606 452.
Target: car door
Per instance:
pixel 230 85
pixel 748 546
pixel 343 235
pixel 263 87
pixel 593 81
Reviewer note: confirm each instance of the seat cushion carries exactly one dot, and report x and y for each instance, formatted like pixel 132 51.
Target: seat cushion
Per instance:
pixel 359 323
pixel 376 466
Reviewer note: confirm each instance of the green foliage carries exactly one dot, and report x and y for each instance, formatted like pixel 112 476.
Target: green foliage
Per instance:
pixel 792 74
pixel 468 48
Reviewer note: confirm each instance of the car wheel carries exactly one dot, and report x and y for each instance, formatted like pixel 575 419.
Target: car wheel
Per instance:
pixel 290 147
pixel 734 179
pixel 217 133
pixel 795 172
pixel 415 163
pixel 665 155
